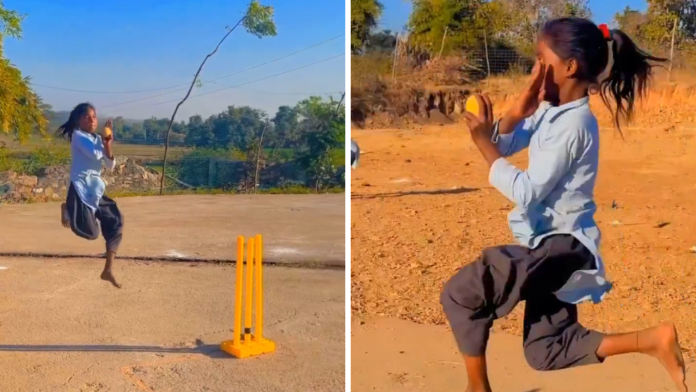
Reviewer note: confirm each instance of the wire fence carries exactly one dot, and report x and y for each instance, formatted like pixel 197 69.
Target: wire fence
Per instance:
pixel 489 60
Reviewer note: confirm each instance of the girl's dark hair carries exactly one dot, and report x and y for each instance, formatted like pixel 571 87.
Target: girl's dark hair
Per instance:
pixel 66 130
pixel 582 40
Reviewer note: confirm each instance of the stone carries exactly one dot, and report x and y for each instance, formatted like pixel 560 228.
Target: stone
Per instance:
pixel 7 176
pixel 52 182
pixel 27 180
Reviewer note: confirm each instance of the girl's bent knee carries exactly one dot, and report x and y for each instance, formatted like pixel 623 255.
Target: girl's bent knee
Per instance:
pixel 449 291
pixel 459 296
pixel 536 359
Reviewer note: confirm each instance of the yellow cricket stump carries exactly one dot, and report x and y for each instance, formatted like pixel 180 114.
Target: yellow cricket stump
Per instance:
pixel 250 344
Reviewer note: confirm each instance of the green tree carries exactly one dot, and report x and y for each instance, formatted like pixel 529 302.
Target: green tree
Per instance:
pixel 463 23
pixel 664 13
pixel 381 41
pixel 285 128
pixel 237 127
pixel 119 123
pixel 630 21
pixel 492 20
pixel 525 18
pixel 431 19
pixel 20 108
pixel 199 133
pixel 655 28
pixel 364 15
pixel 323 129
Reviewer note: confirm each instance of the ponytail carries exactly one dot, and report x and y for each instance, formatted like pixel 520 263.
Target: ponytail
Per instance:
pixel 584 41
pixel 628 78
pixel 66 130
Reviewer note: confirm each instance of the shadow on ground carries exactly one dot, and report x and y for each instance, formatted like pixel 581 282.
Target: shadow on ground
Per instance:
pixel 455 191
pixel 209 350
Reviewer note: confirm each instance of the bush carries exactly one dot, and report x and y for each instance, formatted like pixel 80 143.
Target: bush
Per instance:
pixel 338 157
pixel 42 157
pixel 8 161
pixel 31 163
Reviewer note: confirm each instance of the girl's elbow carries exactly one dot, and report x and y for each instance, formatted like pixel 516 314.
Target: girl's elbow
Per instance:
pixel 524 202
pixel 528 198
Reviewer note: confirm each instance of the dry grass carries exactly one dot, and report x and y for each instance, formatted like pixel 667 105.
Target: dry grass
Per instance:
pixel 137 151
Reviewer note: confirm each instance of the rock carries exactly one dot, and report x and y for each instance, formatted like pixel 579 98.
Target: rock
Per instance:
pixel 52 182
pixel 7 176
pixel 30 181
pixel 6 187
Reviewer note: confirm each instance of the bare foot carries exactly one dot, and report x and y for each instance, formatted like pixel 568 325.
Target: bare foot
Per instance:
pixel 662 343
pixel 64 216
pixel 109 277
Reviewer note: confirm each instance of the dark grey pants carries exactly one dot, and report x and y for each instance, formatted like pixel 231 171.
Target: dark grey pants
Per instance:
pixel 83 220
pixel 492 286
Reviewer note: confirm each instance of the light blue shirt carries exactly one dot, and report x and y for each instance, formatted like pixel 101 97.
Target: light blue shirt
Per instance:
pixel 555 195
pixel 87 152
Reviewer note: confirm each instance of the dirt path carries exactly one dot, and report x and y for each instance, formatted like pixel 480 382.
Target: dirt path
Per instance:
pixel 296 228
pixel 62 329
pixel 422 358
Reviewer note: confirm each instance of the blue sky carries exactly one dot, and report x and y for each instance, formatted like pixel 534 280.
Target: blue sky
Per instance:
pixel 135 45
pixel 396 11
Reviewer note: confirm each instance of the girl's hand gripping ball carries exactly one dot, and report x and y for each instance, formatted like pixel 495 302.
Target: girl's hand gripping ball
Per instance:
pixel 472 105
pixel 108 129
pixel 479 116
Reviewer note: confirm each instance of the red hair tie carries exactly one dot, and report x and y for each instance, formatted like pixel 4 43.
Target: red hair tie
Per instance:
pixel 605 31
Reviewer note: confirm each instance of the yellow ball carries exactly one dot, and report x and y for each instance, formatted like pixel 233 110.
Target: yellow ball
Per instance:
pixel 472 105
pixel 107 132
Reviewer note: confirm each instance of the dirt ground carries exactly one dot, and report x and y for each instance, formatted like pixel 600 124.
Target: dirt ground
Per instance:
pixel 295 228
pixel 422 208
pixel 63 329
pixel 423 358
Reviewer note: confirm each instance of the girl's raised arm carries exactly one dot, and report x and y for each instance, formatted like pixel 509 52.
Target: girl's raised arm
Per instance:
pixel 513 132
pixel 546 168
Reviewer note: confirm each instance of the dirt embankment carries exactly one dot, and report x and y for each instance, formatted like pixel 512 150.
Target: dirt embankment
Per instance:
pixel 436 96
